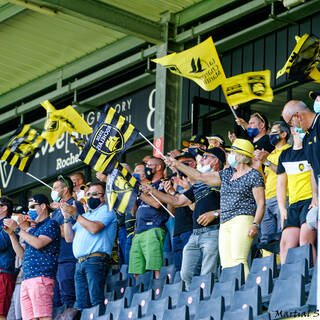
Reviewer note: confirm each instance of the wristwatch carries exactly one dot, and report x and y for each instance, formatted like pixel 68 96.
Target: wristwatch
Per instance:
pixel 267 163
pixel 65 220
pixel 17 230
pixel 256 224
pixel 216 214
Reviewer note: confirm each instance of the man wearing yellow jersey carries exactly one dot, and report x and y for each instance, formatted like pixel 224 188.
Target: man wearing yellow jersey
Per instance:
pixel 294 172
pixel 278 137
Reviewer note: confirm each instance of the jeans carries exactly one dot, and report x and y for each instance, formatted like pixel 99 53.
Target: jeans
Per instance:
pixel 122 239
pixel 90 277
pixel 179 242
pixel 127 251
pixel 205 244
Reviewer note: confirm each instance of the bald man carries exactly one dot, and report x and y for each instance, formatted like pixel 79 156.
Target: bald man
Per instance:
pixel 297 115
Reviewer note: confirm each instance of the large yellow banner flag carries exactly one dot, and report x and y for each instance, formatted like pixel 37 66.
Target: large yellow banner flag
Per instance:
pixel 248 86
pixel 59 121
pixel 200 63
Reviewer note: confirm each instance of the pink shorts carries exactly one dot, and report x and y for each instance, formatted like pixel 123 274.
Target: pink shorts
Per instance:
pixel 36 297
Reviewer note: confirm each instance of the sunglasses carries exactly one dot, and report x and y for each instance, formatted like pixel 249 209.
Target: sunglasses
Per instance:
pixel 33 206
pixel 94 194
pixel 206 156
pixel 61 178
pixel 2 205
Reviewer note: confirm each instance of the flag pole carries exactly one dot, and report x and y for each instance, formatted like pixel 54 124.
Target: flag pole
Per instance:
pixel 35 178
pixel 161 204
pixel 235 115
pixel 153 146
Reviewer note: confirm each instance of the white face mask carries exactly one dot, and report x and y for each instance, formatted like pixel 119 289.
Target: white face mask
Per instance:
pixel 316 105
pixel 55 196
pixel 203 169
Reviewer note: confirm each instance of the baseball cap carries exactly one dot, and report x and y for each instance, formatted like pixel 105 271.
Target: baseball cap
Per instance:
pixel 313 94
pixel 216 137
pixel 20 209
pixel 216 152
pixel 185 155
pixel 195 139
pixel 40 199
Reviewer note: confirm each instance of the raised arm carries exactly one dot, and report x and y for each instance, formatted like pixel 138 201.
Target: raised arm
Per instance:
pixel 282 196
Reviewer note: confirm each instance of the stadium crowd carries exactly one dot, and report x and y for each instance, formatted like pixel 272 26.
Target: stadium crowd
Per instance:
pixel 262 188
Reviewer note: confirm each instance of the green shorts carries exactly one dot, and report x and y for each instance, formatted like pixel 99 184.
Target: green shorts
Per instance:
pixel 146 251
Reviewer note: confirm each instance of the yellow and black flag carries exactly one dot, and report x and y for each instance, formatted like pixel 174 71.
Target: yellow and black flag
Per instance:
pixel 121 190
pixel 111 136
pixel 248 86
pixel 303 61
pixel 22 147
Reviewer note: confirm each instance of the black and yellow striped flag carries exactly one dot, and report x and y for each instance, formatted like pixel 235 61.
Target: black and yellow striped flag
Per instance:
pixel 121 190
pixel 111 136
pixel 22 147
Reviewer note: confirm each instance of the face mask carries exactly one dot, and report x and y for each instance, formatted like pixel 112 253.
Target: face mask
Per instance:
pixel 193 151
pixel 274 138
pixel 55 196
pixel 301 136
pixel 298 130
pixel 252 132
pixel 137 176
pixel 93 203
pixel 149 174
pixel 204 169
pixel 316 105
pixel 180 189
pixel 33 214
pixel 232 160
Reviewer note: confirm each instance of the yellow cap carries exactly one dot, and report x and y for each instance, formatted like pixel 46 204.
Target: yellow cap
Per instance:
pixel 242 146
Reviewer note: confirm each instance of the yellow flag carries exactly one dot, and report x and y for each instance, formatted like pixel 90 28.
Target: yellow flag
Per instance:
pixel 59 121
pixel 248 86
pixel 303 60
pixel 200 63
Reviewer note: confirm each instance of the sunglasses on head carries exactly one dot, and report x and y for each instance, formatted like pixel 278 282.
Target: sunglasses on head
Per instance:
pixel 62 178
pixel 258 115
pixel 33 206
pixel 93 194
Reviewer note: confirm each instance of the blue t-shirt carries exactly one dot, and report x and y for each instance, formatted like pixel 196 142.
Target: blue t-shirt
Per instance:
pixel 66 254
pixel 148 217
pixel 44 261
pixel 7 254
pixel 85 243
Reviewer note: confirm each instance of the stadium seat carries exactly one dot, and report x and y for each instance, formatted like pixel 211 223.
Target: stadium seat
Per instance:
pixel 205 282
pixel 225 290
pixel 260 264
pixel 191 299
pixel 210 308
pixel 242 313
pixel 298 267
pixel 231 273
pixel 114 307
pixel 158 307
pixel 264 280
pixel 169 272
pixel 142 299
pixel 312 298
pixel 144 280
pixel 287 296
pixel 130 313
pixel 149 317
pixel 179 313
pixel 109 296
pixel 124 269
pixel 120 286
pixel 168 258
pixel 129 292
pixel 173 291
pixel 298 253
pixel 111 280
pixel 93 312
pixel 106 316
pixel 177 277
pixel 157 286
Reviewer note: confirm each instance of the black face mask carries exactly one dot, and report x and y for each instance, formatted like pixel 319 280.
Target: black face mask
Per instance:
pixel 149 174
pixel 93 203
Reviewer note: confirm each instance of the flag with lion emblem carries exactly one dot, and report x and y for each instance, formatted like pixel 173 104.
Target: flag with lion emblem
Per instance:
pixel 111 137
pixel 121 190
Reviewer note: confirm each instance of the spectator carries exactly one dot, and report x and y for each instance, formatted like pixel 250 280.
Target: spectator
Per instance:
pixel 271 222
pixel 316 97
pixel 40 259
pixel 242 202
pixel 194 144
pixel 6 259
pixel 147 245
pixel 294 175
pixel 93 236
pixel 64 289
pixel 216 141
pixel 79 185
pixel 204 240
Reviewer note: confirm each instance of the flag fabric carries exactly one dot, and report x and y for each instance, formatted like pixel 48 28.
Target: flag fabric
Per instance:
pixel 200 63
pixel 22 147
pixel 79 142
pixel 111 136
pixel 59 121
pixel 121 190
pixel 303 61
pixel 248 86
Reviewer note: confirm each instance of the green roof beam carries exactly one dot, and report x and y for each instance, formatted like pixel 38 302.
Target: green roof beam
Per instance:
pixel 9 10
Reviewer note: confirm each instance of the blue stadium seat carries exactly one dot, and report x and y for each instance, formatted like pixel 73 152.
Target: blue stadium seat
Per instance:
pixel 225 290
pixel 124 269
pixel 231 273
pixel 179 313
pixel 93 312
pixel 264 280
pixel 157 286
pixel 312 298
pixel 205 282
pixel 177 277
pixel 243 314
pixel 131 313
pixel 169 272
pixel 300 266
pixel 120 286
pixel 158 307
pixel 261 264
pixel 287 296
pixel 144 280
pixel 129 292
pixel 109 296
pixel 111 280
pixel 142 299
pixel 210 308
pixel 106 316
pixel 191 299
pixel 298 253
pixel 114 307
pixel 173 291
pixel 149 317
pixel 168 258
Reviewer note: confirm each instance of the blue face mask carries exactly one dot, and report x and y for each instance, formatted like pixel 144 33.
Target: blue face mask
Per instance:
pixel 274 138
pixel 252 132
pixel 137 176
pixel 232 160
pixel 33 214
pixel 193 151
pixel 316 105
